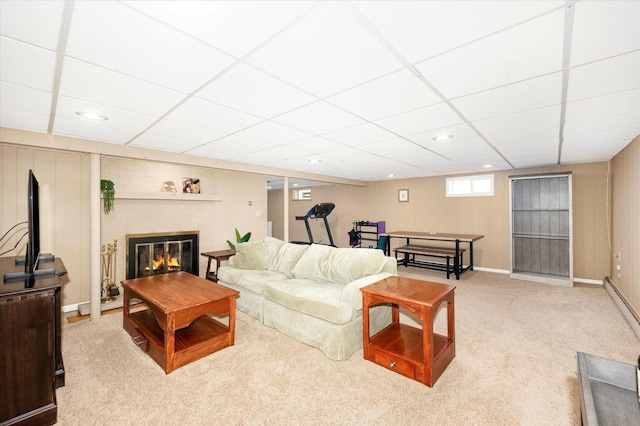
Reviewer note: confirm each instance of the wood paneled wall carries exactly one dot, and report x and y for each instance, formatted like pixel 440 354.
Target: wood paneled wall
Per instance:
pixel 625 224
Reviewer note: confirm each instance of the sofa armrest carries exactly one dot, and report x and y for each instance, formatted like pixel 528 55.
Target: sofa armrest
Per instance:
pixel 351 293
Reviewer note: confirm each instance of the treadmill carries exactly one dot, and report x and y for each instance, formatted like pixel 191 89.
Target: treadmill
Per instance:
pixel 319 211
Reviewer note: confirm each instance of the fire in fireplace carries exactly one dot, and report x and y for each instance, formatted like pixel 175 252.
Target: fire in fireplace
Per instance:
pixel 161 253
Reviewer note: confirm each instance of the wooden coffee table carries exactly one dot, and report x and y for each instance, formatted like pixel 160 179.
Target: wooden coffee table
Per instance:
pixel 419 354
pixel 175 329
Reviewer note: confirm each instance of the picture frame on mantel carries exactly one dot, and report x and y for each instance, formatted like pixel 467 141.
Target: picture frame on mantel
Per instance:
pixel 403 195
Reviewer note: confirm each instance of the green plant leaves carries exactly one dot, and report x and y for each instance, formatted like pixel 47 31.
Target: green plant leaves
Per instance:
pixel 108 191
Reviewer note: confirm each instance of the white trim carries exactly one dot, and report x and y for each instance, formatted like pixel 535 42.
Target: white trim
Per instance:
pixel 497 271
pixel 506 271
pixel 587 281
pixel 72 307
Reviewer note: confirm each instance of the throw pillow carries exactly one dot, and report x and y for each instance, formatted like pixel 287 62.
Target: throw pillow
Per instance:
pixel 251 256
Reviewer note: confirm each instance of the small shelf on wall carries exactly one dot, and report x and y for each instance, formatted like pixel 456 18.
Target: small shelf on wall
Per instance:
pixel 167 196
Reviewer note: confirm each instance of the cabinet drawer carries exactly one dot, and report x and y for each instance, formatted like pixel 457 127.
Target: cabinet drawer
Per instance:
pixel 395 363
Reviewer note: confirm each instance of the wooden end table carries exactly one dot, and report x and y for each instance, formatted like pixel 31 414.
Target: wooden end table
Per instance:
pixel 419 354
pixel 175 329
pixel 218 256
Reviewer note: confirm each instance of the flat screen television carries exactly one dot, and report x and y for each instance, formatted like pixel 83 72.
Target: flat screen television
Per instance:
pixel 33 246
pixel 33 255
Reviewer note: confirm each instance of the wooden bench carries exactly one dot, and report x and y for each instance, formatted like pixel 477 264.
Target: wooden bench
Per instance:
pixel 410 252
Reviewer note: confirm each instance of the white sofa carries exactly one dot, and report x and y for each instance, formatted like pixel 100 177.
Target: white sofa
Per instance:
pixel 309 292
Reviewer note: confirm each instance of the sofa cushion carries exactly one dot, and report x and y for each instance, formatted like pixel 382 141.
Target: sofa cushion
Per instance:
pixel 288 256
pixel 273 246
pixel 338 265
pixel 249 279
pixel 315 298
pixel 250 256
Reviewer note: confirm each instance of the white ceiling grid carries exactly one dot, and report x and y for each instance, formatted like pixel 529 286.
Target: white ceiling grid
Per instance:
pixel 362 86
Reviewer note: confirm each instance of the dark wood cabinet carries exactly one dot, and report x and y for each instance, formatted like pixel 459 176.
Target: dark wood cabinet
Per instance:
pixel 31 366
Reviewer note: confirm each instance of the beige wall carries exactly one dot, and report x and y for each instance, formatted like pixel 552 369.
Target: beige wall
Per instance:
pixel 429 209
pixel 625 221
pixel 65 209
pixel 215 220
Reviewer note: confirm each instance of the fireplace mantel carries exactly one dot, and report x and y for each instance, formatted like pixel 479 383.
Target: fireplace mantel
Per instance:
pixel 167 196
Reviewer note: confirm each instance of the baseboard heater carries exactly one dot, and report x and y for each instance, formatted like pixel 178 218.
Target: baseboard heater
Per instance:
pixel 632 317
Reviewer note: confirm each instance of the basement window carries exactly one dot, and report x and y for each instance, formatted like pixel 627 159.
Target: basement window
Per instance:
pixel 302 194
pixel 470 186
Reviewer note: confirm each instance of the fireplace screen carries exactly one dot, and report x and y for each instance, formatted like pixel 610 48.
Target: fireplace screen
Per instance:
pixel 152 254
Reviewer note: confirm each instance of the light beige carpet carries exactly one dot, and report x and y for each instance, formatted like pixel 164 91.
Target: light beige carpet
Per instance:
pixel 515 364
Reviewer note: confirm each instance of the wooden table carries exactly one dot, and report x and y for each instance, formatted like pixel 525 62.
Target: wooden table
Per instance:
pixel 419 354
pixel 218 256
pixel 458 267
pixel 175 329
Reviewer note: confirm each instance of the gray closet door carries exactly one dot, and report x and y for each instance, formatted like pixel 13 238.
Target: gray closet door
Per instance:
pixel 541 237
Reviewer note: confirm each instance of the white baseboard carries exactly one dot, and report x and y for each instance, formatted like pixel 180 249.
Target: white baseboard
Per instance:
pixel 504 271
pixel 497 271
pixel 588 281
pixel 72 307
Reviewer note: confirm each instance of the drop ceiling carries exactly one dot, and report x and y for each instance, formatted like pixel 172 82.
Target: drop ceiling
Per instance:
pixel 362 88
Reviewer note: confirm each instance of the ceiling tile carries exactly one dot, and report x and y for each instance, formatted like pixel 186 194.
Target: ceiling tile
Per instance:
pixel 601 78
pixel 455 149
pixel 17 64
pixel 604 28
pixel 625 124
pixel 518 97
pixel 236 27
pixel 421 120
pixel 311 146
pixel 445 24
pixel 392 94
pixel 176 137
pixel 516 138
pixel 603 106
pixel 130 122
pixel 22 120
pixel 208 115
pixel 269 134
pixel 141 47
pixel 600 146
pixel 249 89
pixel 227 147
pixel 361 134
pixel 460 132
pixel 397 149
pixel 325 52
pixel 96 132
pixel 520 122
pixel 524 51
pixel 34 22
pixel 81 80
pixel 25 99
pixel 318 118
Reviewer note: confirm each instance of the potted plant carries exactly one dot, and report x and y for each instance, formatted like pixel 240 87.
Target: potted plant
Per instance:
pixel 108 191
pixel 239 239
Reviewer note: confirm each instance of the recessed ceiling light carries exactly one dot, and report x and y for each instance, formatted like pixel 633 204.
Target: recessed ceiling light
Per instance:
pixel 441 138
pixel 269 186
pixel 92 116
pixel 295 184
pixel 390 175
pixel 489 166
pixel 315 160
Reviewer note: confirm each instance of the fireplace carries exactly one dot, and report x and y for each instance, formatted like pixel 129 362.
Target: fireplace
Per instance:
pixel 162 253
